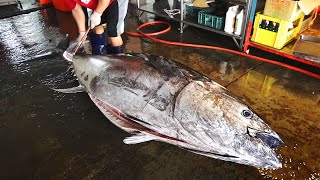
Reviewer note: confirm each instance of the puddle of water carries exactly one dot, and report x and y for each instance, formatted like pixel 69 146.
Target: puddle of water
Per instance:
pixel 23 37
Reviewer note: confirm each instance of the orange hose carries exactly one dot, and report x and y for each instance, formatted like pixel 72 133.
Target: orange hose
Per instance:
pixel 149 35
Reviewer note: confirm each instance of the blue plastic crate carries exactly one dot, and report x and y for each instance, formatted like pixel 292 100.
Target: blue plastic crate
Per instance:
pixel 207 18
pixel 192 11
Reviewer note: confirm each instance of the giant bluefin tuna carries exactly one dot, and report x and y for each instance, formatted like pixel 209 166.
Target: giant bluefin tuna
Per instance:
pixel 154 98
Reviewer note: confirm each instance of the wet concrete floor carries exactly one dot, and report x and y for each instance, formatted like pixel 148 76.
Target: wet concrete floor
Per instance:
pixel 45 134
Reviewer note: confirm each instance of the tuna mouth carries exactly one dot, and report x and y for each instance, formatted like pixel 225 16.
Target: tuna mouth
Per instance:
pixel 272 139
pixel 260 163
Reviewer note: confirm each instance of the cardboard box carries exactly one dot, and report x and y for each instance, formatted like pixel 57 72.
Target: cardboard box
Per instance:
pixel 308 5
pixel 306 22
pixel 288 10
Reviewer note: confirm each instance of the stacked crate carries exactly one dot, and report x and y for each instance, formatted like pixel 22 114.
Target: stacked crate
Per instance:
pixel 279 24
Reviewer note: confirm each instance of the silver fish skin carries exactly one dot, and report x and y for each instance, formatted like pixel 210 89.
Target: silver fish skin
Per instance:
pixel 155 98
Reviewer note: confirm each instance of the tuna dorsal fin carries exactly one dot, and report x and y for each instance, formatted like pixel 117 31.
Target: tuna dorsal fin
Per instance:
pixel 71 90
pixel 139 138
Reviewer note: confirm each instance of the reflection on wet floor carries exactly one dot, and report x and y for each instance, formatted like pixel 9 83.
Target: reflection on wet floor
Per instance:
pixel 25 36
pixel 44 133
pixel 290 103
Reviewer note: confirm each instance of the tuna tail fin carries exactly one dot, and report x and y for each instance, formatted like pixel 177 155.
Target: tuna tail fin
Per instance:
pixel 139 138
pixel 71 90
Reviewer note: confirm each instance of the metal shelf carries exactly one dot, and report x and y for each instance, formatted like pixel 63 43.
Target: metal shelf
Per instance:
pixel 159 12
pixel 184 22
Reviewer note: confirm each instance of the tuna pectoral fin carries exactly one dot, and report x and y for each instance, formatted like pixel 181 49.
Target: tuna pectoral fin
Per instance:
pixel 71 90
pixel 139 138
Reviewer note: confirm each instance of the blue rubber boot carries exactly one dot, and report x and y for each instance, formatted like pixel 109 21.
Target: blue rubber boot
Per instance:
pixel 98 43
pixel 114 49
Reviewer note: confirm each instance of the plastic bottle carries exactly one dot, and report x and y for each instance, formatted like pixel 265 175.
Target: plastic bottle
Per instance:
pixel 276 27
pixel 239 23
pixel 262 24
pixel 230 19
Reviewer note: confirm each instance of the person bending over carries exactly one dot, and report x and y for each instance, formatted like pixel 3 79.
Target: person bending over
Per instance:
pixel 97 13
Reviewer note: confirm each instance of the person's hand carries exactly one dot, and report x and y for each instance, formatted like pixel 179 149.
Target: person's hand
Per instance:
pixel 74 44
pixel 68 53
pixel 95 19
pixel 81 34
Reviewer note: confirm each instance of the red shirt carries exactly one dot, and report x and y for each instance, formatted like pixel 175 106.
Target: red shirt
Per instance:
pixel 91 4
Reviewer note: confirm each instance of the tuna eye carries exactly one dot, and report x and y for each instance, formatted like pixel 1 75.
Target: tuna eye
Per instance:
pixel 246 113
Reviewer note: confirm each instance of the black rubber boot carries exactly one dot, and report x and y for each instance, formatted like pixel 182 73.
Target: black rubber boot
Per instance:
pixel 98 43
pixel 114 49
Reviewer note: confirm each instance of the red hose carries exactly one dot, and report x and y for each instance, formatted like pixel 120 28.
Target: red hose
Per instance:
pixel 149 35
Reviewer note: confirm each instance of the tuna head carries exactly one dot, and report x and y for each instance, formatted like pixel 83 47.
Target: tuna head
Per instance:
pixel 88 67
pixel 230 129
